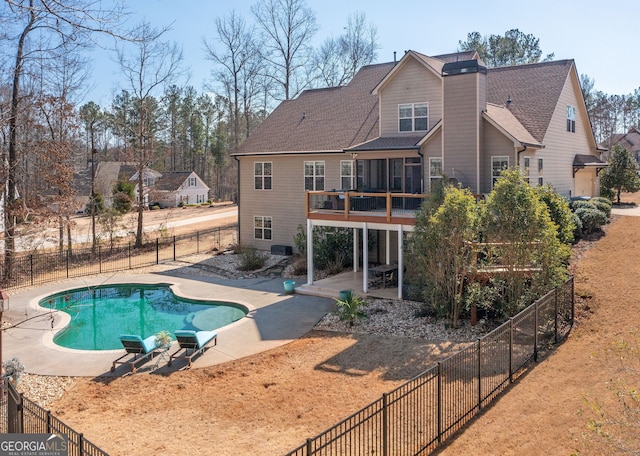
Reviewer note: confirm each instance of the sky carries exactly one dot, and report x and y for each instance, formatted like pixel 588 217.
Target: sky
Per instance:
pixel 599 35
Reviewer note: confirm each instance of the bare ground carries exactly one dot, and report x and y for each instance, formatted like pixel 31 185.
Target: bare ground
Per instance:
pixel 271 402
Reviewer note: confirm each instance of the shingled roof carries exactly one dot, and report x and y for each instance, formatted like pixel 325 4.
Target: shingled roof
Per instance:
pixel 323 119
pixel 533 89
pixel 171 180
pixel 341 118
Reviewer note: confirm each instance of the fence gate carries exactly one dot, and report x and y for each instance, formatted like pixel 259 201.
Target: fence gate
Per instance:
pixel 14 409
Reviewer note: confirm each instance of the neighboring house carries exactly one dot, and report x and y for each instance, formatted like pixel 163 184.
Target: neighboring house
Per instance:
pixel 393 130
pixel 630 141
pixel 168 189
pixel 177 188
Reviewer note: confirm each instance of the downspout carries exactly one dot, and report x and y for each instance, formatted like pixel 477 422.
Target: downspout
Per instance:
pixel 421 155
pixel 518 152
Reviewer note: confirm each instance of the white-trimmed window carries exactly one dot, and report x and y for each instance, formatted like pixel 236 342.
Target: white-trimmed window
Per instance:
pixel 262 228
pixel 192 182
pixel 526 169
pixel 435 171
pixel 262 175
pixel 540 172
pixel 498 164
pixel 413 117
pixel 347 175
pixel 314 175
pixel 571 119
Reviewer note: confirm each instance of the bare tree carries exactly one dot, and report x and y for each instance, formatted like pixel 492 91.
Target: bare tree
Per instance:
pixel 92 116
pixel 37 29
pixel 236 61
pixel 287 27
pixel 151 65
pixel 339 59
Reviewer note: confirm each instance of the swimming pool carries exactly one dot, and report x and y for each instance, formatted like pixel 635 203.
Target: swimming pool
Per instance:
pixel 99 315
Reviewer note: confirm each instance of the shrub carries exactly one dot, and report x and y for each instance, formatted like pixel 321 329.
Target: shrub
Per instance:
pixel 602 204
pixel 592 219
pixel 577 232
pixel 329 245
pixel 299 265
pixel 559 211
pixel 586 204
pixel 251 259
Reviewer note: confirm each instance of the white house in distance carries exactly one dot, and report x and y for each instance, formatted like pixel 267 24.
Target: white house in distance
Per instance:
pixel 168 189
pixel 363 156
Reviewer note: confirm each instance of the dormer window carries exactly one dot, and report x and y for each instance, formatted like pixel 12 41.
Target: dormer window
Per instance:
pixel 413 117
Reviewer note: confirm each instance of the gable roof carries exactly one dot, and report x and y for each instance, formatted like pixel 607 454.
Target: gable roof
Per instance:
pixel 322 120
pixel 629 140
pixel 534 90
pixel 503 119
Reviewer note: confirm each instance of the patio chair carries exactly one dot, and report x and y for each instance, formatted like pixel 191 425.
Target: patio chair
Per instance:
pixel 140 348
pixel 194 341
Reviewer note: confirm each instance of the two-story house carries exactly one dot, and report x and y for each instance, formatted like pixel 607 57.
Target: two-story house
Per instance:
pixel 362 156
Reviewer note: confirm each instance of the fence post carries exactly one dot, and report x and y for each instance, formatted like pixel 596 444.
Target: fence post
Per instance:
pixel 309 440
pixel 479 375
pixel 157 251
pixel 67 263
pixel 31 267
pixel 81 443
pixel 174 248
pixel 535 330
pixel 385 425
pixel 100 259
pixel 439 403
pixel 510 350
pixel 197 241
pixel 48 421
pixel 129 250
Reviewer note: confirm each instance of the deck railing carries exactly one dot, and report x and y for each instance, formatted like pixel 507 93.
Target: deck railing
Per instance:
pixel 363 206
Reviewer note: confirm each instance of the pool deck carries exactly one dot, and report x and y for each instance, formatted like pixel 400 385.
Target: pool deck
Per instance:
pixel 274 319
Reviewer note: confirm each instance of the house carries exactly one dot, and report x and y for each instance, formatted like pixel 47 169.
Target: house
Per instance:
pixel 168 189
pixel 177 188
pixel 630 141
pixel 364 155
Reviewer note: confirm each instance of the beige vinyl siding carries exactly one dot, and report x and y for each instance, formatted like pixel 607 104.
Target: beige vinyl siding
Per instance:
pixel 461 128
pixel 285 202
pixel 561 146
pixel 414 84
pixel 495 144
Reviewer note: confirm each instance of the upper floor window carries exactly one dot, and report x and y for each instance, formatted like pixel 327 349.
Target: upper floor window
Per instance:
pixel 498 164
pixel 435 171
pixel 347 175
pixel 192 182
pixel 413 117
pixel 571 119
pixel 262 175
pixel 540 172
pixel 314 175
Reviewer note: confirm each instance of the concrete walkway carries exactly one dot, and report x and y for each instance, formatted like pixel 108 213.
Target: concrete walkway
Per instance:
pixel 631 210
pixel 274 319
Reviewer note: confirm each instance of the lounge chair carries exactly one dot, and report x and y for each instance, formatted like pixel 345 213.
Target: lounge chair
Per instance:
pixel 140 348
pixel 194 341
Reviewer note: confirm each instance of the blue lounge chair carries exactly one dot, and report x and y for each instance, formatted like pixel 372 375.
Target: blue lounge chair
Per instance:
pixel 140 348
pixel 196 341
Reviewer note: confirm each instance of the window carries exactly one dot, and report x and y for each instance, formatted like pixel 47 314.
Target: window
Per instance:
pixel 571 119
pixel 262 175
pixel 540 167
pixel 435 171
pixel 262 228
pixel 413 117
pixel 192 182
pixel 395 174
pixel 347 176
pixel 526 171
pixel 314 175
pixel 498 164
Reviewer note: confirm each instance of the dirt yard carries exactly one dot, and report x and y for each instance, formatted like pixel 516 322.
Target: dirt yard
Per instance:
pixel 269 403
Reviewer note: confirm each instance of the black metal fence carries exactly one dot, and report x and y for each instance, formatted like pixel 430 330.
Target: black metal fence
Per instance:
pixel 20 415
pixel 40 268
pixel 417 417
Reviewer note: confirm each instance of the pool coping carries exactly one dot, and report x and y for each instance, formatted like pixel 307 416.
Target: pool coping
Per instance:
pixel 274 319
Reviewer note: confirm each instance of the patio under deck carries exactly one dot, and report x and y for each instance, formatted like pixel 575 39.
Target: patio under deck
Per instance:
pixel 349 280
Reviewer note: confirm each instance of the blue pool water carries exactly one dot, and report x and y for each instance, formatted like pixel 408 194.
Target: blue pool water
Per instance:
pixel 99 315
